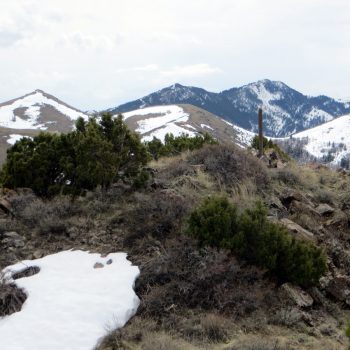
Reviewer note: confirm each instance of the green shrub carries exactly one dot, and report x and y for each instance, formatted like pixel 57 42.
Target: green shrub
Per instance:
pixel 95 154
pixel 347 332
pixel 175 145
pixel 258 241
pixel 268 144
pixel 213 222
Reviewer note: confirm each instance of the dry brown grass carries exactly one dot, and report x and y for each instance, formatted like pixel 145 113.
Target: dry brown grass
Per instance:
pixel 143 334
pixel 216 328
pixel 163 341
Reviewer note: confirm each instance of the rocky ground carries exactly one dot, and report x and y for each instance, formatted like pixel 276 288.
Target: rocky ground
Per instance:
pixel 194 298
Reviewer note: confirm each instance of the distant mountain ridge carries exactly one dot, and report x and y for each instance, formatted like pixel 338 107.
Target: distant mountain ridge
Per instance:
pixel 158 121
pixel 38 110
pixel 286 110
pixel 32 113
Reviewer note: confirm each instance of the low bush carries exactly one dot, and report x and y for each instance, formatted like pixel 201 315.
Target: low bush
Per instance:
pixel 347 332
pixel 289 176
pixel 175 145
pixel 229 165
pixel 258 241
pixel 268 144
pixel 43 215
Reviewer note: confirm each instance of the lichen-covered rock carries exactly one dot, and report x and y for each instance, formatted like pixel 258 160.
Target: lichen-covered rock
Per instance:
pixel 324 209
pixel 13 239
pixel 339 288
pixel 297 231
pixel 297 295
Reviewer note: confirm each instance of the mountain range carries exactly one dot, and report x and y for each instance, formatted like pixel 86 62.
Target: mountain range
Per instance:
pixel 317 125
pixel 286 111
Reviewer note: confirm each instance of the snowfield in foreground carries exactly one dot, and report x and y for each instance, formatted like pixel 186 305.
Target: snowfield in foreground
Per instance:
pixel 70 304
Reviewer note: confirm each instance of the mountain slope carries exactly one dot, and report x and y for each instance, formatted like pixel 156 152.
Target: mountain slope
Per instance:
pixel 329 142
pixel 285 110
pixel 183 119
pixel 32 113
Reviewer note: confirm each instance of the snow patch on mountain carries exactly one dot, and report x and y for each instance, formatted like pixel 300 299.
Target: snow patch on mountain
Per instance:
pixel 206 126
pixel 243 137
pixel 329 138
pixel 171 120
pixel 316 113
pixel 13 138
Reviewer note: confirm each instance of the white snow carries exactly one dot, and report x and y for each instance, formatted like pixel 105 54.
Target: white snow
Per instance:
pixel 167 129
pixel 322 138
pixel 206 126
pixel 33 103
pixel 13 138
pixel 243 137
pixel 318 113
pixel 70 303
pixel 190 127
pixel 161 120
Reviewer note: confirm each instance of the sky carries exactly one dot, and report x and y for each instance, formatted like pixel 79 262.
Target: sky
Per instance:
pixel 99 54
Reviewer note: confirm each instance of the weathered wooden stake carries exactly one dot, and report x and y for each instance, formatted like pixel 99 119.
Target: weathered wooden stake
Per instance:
pixel 261 136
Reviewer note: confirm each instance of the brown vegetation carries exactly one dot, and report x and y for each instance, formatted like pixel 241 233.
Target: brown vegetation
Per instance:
pixel 205 298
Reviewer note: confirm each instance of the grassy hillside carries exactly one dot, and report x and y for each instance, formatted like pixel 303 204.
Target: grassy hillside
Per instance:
pixel 201 297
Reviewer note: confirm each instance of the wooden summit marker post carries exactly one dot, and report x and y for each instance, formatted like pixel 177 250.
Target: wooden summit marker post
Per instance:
pixel 261 136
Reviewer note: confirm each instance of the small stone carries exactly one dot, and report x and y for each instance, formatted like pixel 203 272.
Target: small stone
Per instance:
pixel 324 209
pixel 13 235
pixel 109 262
pixel 98 265
pixel 17 243
pixel 339 288
pixel 38 254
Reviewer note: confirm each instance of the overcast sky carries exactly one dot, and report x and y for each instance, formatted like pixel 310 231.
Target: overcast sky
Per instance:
pixel 96 54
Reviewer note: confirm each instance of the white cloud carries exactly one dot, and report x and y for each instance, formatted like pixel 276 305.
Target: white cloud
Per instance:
pixel 147 68
pixel 189 71
pixel 101 54
pixel 83 41
pixel 9 38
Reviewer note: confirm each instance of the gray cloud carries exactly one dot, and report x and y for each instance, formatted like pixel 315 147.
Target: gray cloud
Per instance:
pixel 8 38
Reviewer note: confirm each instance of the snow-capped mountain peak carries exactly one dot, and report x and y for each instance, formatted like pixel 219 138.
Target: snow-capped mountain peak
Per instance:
pixel 285 110
pixel 37 110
